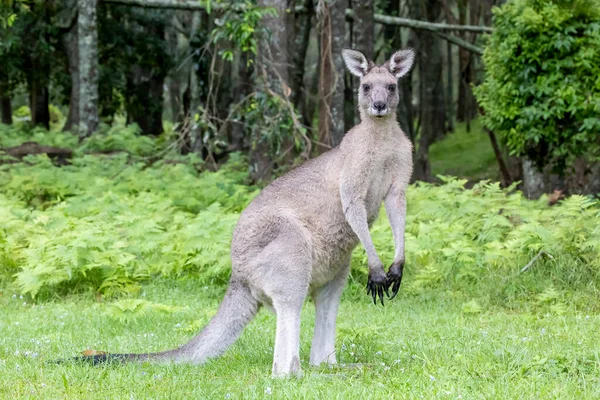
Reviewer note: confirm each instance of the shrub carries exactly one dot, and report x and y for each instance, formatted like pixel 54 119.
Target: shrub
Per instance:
pixel 542 87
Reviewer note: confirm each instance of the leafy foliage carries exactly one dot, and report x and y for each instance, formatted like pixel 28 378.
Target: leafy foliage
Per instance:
pixel 239 26
pixel 542 87
pixel 107 223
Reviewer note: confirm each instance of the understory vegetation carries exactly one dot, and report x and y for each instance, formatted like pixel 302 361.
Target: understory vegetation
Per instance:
pixel 129 251
pixel 106 223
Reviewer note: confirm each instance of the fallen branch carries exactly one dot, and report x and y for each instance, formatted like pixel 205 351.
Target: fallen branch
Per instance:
pixel 29 148
pixel 534 259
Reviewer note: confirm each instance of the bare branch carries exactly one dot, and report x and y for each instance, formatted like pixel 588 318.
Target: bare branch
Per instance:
pixel 460 42
pixel 424 25
pixel 534 259
pixel 193 5
pixel 379 18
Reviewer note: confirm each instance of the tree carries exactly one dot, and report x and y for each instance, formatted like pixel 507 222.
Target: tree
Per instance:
pixel 87 54
pixel 134 62
pixel 392 35
pixel 332 33
pixel 432 101
pixel 37 40
pixel 541 92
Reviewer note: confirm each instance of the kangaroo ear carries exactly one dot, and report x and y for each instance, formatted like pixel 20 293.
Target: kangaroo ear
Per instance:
pixel 356 62
pixel 401 62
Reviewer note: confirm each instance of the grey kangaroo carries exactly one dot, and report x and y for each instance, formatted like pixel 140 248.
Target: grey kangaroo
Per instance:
pixel 296 237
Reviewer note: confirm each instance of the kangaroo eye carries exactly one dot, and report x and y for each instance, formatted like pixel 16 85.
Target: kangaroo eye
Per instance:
pixel 391 88
pixel 366 88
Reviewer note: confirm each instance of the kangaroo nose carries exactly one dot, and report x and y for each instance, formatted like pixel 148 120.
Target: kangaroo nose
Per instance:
pixel 379 106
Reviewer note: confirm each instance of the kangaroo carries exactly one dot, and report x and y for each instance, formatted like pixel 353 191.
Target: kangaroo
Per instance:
pixel 296 237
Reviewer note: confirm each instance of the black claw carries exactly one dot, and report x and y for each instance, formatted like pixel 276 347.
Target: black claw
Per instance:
pixel 395 279
pixel 376 287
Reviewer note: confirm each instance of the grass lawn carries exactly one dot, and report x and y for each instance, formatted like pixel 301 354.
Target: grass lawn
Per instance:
pixel 415 347
pixel 465 154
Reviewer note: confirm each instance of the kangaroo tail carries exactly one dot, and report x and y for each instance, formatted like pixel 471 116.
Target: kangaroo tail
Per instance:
pixel 236 310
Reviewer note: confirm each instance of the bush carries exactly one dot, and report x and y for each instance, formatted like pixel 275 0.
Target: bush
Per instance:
pixel 106 226
pixel 542 87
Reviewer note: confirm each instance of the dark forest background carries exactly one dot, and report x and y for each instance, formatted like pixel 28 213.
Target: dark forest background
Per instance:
pixel 266 77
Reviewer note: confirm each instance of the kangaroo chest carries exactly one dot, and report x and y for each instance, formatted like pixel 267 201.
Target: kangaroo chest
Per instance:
pixel 381 177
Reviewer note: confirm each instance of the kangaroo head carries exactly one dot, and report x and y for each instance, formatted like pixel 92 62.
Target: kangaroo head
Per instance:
pixel 378 91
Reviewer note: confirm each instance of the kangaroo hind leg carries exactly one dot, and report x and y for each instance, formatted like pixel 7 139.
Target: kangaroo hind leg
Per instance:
pixel 327 301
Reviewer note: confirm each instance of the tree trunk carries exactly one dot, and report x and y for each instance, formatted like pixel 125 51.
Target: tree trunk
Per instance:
pixel 533 180
pixel 363 39
pixel 301 42
pixel 393 35
pixel 506 179
pixel 71 45
pixel 311 100
pixel 449 87
pixel 173 80
pixel 195 136
pixel 145 90
pixel 433 104
pixel 87 38
pixel 39 99
pixel 272 74
pixel 467 105
pixel 242 89
pixel 363 30
pixel 332 34
pixel 5 108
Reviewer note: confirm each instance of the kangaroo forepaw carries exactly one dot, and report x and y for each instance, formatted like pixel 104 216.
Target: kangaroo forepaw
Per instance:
pixel 394 278
pixel 377 285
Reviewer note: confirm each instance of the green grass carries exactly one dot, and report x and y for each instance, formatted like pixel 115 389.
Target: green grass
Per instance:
pixel 465 154
pixel 422 346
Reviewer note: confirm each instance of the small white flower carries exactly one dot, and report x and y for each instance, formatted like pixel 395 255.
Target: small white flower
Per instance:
pixel 268 390
pixel 21 297
pixel 24 303
pixel 14 296
pixel 379 353
pixel 352 353
pixel 353 345
pixel 228 396
pixel 587 317
pixel 432 378
pixel 43 385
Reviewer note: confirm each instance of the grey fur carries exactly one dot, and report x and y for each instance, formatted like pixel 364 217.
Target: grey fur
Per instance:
pixel 296 238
